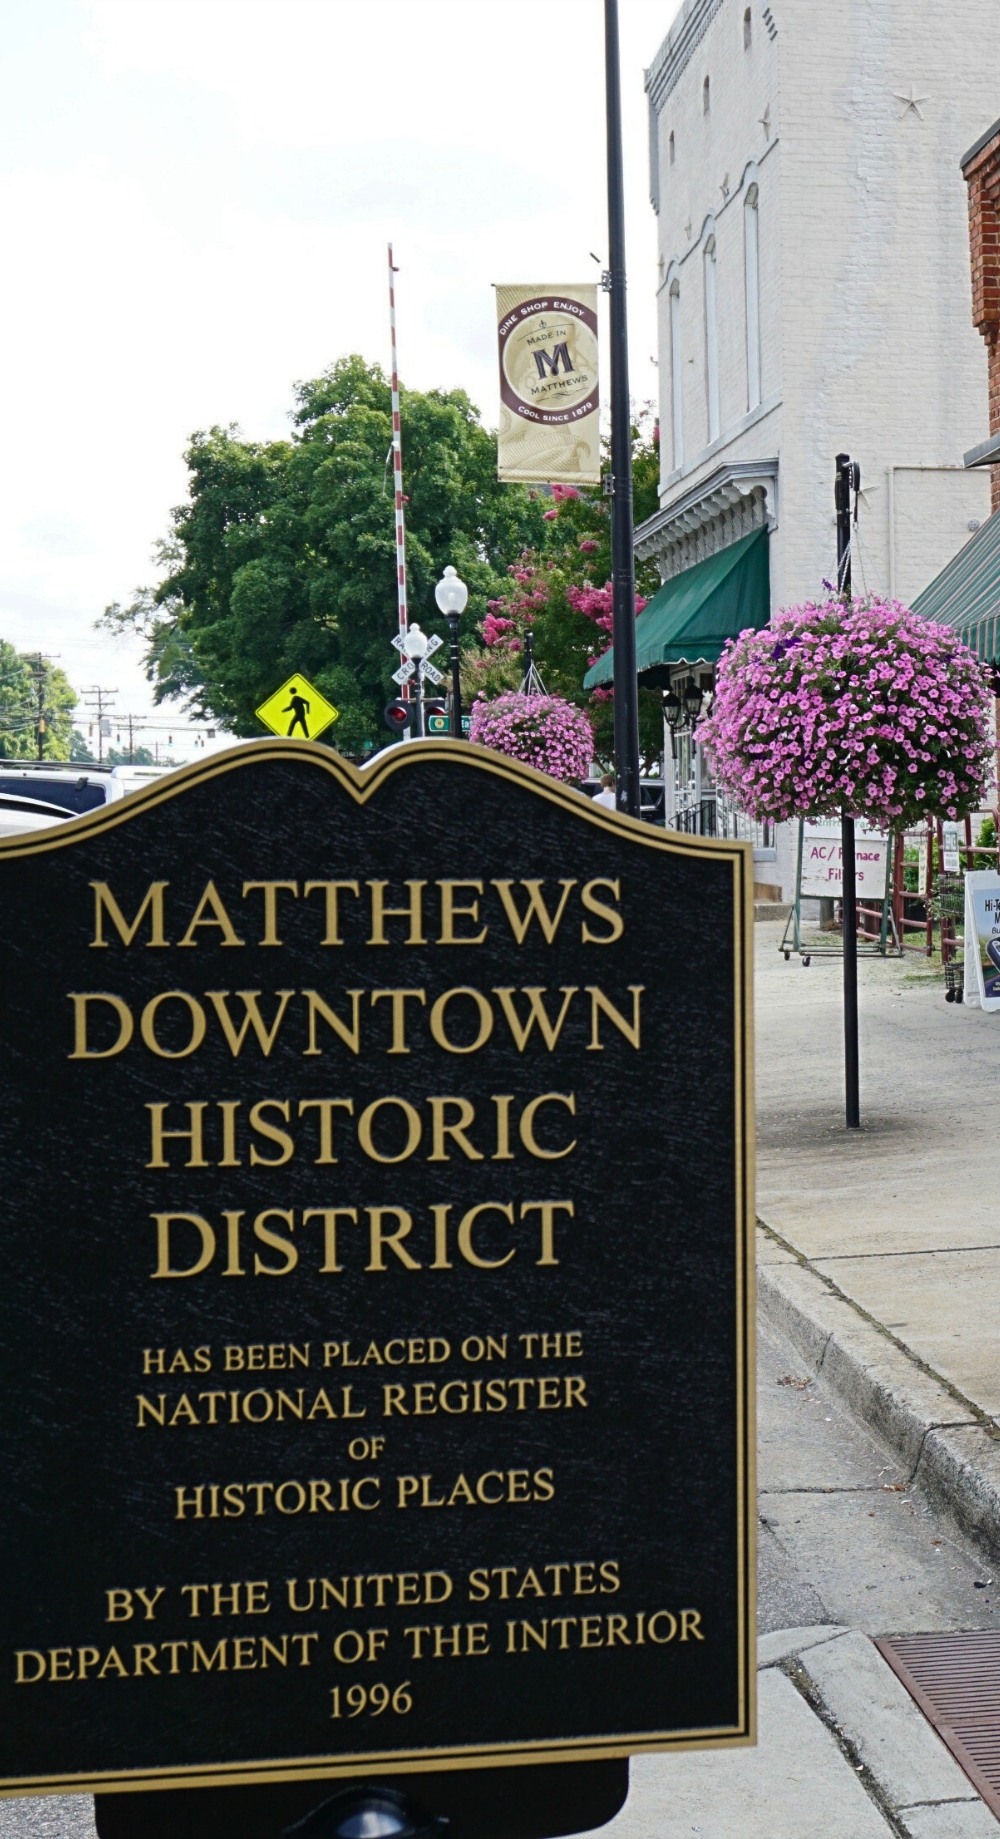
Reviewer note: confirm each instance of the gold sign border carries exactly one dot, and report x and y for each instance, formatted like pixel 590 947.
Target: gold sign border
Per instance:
pixel 361 783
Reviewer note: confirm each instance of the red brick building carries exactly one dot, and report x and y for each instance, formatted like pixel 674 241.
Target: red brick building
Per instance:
pixel 981 169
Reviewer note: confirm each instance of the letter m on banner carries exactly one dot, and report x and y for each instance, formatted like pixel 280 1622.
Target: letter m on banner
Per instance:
pixel 543 361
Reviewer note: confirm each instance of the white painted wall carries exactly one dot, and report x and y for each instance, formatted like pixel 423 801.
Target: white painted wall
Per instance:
pixel 867 344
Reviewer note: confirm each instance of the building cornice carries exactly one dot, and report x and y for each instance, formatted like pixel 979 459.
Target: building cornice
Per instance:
pixel 703 503
pixel 678 48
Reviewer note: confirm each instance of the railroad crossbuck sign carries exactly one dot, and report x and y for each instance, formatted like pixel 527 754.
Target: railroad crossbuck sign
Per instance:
pixel 375 1323
pixel 297 709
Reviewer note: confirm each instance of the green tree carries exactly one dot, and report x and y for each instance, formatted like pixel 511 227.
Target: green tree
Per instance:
pixel 32 689
pixel 120 756
pixel 561 591
pixel 283 558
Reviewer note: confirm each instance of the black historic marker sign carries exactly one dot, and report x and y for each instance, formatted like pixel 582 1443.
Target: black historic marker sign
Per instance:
pixel 376 1278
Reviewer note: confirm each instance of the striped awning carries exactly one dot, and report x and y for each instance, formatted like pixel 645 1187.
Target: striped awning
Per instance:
pixel 966 594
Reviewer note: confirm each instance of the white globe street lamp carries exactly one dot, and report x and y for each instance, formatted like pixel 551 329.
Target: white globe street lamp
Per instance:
pixel 417 649
pixel 415 643
pixel 452 597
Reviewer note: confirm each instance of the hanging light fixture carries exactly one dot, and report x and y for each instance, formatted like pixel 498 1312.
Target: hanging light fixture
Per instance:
pixel 692 700
pixel 673 710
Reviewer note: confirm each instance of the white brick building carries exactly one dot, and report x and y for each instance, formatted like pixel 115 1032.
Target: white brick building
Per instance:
pixel 814 283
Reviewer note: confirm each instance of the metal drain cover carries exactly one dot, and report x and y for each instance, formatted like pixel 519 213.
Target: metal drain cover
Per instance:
pixel 955 1680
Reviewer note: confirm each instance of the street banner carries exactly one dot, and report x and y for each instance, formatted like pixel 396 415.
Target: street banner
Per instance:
pixel 549 429
pixel 377 1316
pixel 982 938
pixel 823 863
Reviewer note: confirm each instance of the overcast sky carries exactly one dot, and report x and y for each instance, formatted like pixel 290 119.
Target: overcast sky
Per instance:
pixel 195 198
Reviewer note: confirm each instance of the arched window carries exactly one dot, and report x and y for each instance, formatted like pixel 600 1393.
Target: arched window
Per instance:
pixel 706 97
pixel 676 374
pixel 751 258
pixel 747 30
pixel 671 149
pixel 711 342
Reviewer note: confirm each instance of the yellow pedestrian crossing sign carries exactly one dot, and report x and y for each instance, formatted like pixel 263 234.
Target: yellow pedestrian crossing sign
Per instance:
pixel 297 709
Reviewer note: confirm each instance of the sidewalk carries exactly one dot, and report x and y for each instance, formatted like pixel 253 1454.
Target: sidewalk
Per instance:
pixel 842 1753
pixel 879 1250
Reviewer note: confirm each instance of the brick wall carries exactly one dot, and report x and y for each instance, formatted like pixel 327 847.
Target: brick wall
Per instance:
pixel 982 175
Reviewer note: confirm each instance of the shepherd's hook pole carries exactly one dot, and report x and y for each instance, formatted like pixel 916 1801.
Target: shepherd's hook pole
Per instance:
pixel 848 475
pixel 626 693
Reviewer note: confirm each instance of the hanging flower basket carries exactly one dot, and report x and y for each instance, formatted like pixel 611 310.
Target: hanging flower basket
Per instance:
pixel 543 731
pixel 861 709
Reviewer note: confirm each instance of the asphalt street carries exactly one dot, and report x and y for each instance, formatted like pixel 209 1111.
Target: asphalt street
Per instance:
pixel 844 1540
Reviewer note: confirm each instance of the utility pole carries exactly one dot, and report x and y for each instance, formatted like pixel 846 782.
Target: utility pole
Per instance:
pixel 99 699
pixel 135 725
pixel 848 479
pixel 626 688
pixel 40 674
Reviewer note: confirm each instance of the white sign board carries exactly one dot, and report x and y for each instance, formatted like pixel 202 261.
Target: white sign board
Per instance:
pixel 822 863
pixel 949 851
pixel 982 937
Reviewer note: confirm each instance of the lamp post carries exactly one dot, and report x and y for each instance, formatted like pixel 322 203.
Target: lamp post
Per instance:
pixel 452 596
pixel 692 699
pixel 626 685
pixel 846 480
pixel 414 649
pixel 673 715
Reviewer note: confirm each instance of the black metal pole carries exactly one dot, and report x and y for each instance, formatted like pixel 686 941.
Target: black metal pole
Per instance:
pixel 626 693
pixel 418 701
pixel 456 679
pixel 842 501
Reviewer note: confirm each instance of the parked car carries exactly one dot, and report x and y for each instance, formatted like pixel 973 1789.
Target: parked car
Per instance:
pixel 133 778
pixel 18 815
pixel 74 789
pixel 68 789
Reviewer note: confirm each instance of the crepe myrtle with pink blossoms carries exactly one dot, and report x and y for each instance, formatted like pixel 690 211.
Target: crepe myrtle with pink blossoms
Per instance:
pixel 857 708
pixel 543 731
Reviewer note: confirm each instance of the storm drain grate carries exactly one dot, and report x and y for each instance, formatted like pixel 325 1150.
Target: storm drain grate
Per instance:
pixel 955 1680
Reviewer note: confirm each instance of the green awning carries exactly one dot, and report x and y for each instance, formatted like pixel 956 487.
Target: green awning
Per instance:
pixel 691 616
pixel 966 594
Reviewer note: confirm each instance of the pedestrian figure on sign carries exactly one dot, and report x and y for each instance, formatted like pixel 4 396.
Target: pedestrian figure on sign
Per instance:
pixel 298 709
pixel 606 795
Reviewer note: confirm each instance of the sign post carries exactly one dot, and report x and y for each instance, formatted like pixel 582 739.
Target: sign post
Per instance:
pixel 371 1408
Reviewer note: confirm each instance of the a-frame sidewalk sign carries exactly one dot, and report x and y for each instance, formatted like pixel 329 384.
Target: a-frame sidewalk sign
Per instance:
pixel 376 1313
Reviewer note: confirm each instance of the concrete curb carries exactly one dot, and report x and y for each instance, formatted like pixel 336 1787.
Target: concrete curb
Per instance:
pixel 944 1440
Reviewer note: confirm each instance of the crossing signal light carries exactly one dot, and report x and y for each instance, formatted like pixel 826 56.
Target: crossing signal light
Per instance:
pixel 398 715
pixel 434 705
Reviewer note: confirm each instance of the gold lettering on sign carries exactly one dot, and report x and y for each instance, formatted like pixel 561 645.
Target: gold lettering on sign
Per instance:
pixel 211 912
pixel 105 902
pixel 450 912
